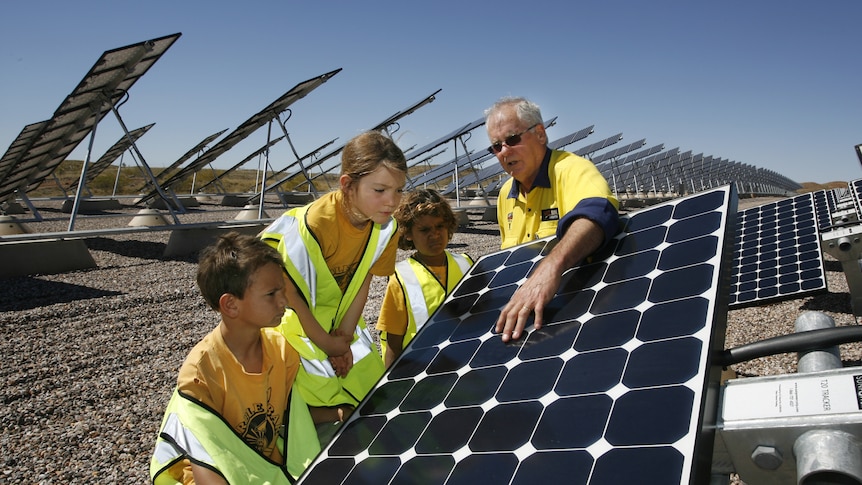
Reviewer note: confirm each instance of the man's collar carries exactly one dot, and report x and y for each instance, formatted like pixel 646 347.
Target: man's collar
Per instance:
pixel 542 177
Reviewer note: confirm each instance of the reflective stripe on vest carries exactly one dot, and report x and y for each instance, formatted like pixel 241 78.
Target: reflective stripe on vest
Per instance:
pixel 360 348
pixel 304 261
pixel 190 430
pixel 423 291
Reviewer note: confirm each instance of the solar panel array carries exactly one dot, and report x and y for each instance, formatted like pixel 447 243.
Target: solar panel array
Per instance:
pixel 41 147
pixel 248 127
pixel 170 169
pixel 613 389
pixel 318 164
pixel 777 252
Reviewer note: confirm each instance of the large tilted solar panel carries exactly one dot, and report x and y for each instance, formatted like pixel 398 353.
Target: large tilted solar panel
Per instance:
pixel 777 253
pixel 103 86
pixel 615 388
pixel 245 129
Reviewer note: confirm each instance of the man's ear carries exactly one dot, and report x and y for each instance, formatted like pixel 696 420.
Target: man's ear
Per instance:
pixel 543 135
pixel 228 305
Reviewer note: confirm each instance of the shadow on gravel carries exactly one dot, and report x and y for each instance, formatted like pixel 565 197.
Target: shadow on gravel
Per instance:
pixel 832 266
pixel 41 293
pixel 493 231
pixel 132 249
pixel 829 302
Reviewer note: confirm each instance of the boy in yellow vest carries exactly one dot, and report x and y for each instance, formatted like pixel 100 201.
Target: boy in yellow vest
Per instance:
pixel 226 420
pixel 426 223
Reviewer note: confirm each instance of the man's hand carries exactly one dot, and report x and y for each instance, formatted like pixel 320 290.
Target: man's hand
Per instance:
pixel 531 297
pixel 581 238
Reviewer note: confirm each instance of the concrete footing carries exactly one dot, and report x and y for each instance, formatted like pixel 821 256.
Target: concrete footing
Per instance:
pixel 148 218
pixel 186 241
pixel 50 256
pixel 91 206
pixel 9 225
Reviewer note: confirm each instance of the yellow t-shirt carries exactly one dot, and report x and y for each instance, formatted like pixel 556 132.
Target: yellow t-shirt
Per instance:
pixel 343 244
pixel 253 404
pixel 568 180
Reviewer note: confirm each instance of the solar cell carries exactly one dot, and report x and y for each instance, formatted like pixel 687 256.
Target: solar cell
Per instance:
pixel 777 253
pixel 614 388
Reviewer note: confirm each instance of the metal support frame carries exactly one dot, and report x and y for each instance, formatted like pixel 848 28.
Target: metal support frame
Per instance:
pixel 803 428
pixel 845 245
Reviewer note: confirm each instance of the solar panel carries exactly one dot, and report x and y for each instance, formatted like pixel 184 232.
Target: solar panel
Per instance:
pixel 777 253
pixel 318 163
pixel 856 191
pixel 248 127
pixel 475 160
pixel 308 156
pixel 444 139
pixel 163 175
pixel 108 80
pixel 824 204
pixel 618 151
pixel 383 125
pixel 112 154
pixel 614 388
pixel 242 162
pixel 599 145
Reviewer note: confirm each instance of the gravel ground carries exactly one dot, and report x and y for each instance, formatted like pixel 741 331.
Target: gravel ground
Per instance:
pixel 90 357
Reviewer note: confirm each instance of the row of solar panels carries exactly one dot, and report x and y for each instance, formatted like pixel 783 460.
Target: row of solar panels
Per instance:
pixel 41 147
pixel 627 170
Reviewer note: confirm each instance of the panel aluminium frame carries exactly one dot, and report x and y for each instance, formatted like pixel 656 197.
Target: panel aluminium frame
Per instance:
pixel 615 387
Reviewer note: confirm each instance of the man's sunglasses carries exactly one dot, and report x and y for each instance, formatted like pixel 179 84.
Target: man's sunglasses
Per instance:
pixel 510 141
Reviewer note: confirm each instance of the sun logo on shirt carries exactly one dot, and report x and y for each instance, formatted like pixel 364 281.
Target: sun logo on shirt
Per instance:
pixel 259 428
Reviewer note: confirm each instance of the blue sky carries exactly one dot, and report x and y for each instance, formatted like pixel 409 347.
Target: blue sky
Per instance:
pixel 774 84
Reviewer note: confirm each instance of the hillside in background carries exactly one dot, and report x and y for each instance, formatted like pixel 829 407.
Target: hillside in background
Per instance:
pixel 132 181
pixel 813 187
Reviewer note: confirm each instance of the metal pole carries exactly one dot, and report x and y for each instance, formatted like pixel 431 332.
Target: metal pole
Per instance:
pixel 80 188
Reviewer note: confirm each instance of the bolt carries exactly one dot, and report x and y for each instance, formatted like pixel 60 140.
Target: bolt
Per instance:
pixel 767 457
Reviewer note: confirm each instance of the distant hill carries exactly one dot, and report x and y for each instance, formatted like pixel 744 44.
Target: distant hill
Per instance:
pixel 813 187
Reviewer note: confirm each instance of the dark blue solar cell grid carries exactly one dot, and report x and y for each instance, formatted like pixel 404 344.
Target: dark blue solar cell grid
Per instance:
pixel 824 206
pixel 612 389
pixel 856 190
pixel 777 253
